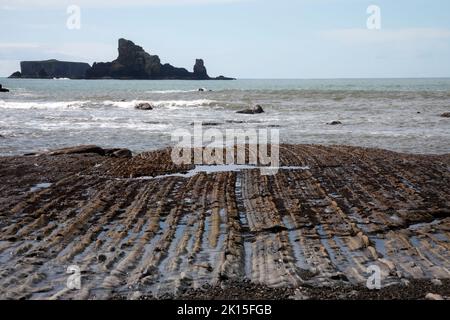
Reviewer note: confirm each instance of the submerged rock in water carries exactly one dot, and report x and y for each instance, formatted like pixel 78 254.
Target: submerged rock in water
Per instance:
pixel 144 106
pixel 445 115
pixel 257 109
pixel 334 123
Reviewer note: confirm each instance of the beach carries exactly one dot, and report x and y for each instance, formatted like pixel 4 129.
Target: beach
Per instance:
pixel 140 228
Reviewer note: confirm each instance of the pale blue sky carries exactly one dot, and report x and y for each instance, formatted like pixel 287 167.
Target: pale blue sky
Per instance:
pixel 241 38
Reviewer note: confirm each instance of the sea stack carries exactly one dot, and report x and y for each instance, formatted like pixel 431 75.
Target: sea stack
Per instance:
pixel 200 70
pixel 50 69
pixel 133 62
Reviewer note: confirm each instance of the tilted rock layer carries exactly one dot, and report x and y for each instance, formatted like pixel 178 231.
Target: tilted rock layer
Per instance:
pixel 328 214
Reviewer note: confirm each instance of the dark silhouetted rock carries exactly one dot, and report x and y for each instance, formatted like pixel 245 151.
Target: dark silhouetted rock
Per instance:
pixel 16 75
pixel 258 109
pixel 144 106
pixel 85 149
pixel 223 78
pixel 134 63
pixel 334 123
pixel 78 150
pixel 255 110
pixel 200 72
pixel 50 69
pixel 3 89
pixel 445 115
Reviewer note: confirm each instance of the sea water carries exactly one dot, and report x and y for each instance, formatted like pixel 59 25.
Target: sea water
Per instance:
pixel 397 114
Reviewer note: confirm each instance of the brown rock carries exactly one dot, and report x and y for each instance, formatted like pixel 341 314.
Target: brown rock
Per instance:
pixel 255 110
pixel 78 150
pixel 118 153
pixel 445 115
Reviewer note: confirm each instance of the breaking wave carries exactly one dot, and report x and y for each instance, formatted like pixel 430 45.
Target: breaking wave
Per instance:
pixel 61 105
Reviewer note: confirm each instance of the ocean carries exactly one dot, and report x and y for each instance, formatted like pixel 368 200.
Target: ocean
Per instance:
pixel 396 114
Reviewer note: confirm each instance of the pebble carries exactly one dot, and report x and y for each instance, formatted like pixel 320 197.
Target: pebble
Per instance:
pixel 436 282
pixel 433 296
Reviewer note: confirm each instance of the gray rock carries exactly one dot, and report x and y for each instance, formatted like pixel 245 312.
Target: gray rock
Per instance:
pixel 335 123
pixel 144 106
pixel 257 109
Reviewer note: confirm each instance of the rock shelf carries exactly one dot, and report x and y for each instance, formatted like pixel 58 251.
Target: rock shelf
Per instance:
pixel 337 211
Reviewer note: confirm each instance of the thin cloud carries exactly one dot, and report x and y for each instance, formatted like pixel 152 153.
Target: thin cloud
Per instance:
pixel 29 4
pixel 386 35
pixel 80 51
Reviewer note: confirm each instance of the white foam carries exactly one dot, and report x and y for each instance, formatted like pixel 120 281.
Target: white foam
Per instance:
pixel 61 105
pixel 171 91
pixel 171 104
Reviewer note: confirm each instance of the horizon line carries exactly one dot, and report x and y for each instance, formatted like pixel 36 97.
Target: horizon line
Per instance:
pixel 264 78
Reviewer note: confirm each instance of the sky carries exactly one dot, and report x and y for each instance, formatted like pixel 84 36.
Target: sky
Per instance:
pixel 250 39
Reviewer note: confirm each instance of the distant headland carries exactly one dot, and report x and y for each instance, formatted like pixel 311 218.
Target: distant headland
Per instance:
pixel 133 63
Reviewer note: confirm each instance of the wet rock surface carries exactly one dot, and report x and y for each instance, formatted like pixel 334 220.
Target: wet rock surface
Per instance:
pixel 316 226
pixel 3 89
pixel 144 106
pixel 257 109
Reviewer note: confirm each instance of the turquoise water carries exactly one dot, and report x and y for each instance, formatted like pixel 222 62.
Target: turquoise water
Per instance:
pixel 397 114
